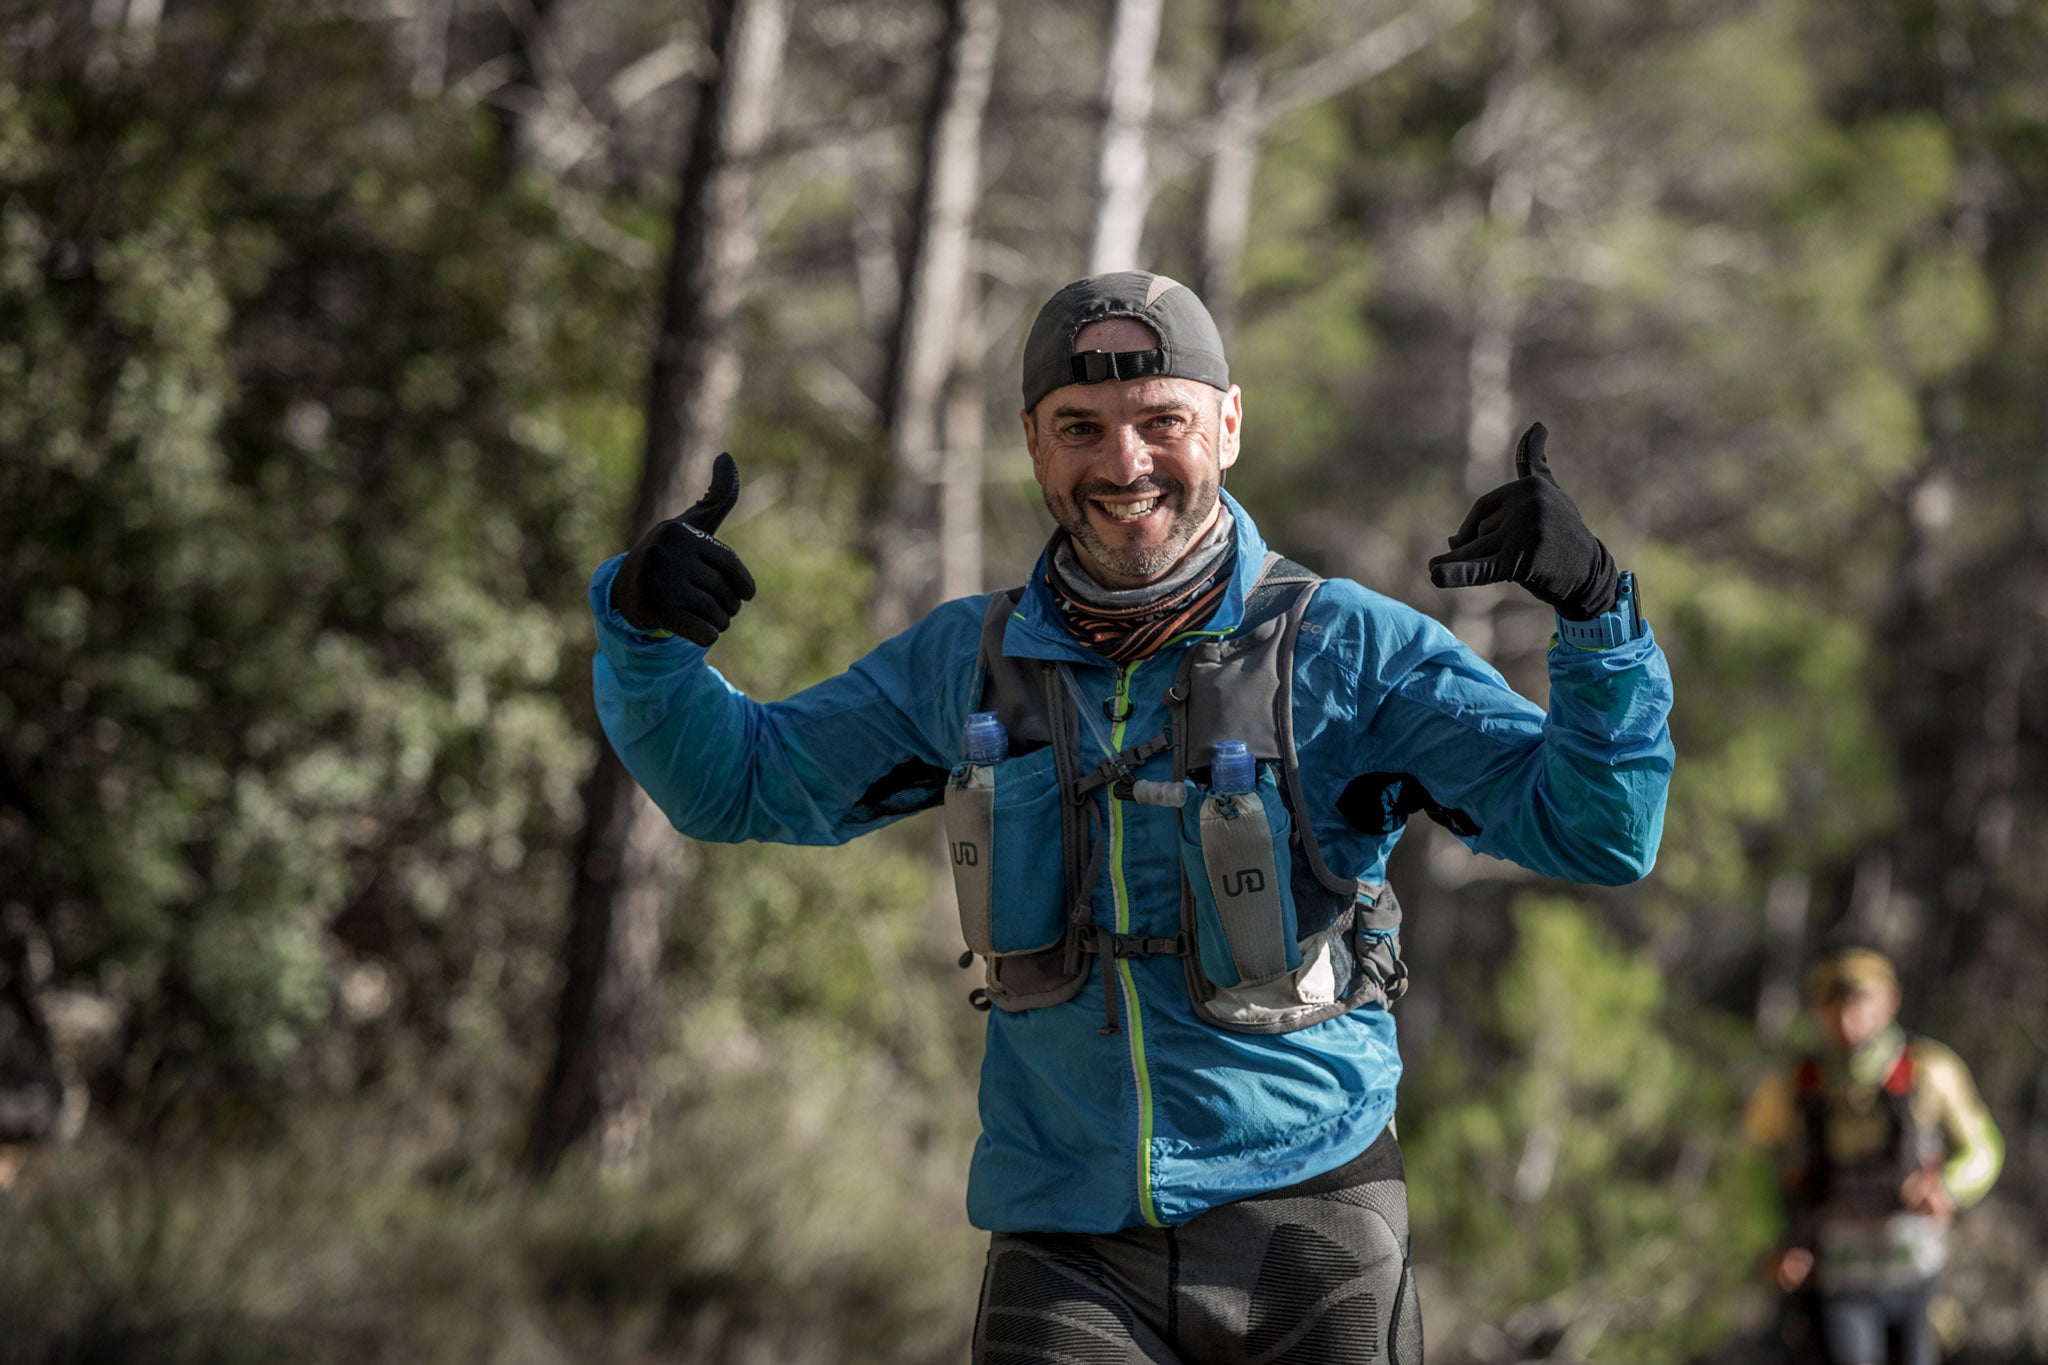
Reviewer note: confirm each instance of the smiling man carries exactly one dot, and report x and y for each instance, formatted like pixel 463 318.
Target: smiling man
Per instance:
pixel 1173 766
pixel 1132 471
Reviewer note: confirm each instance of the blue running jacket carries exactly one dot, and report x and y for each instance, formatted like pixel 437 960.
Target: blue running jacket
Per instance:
pixel 1087 1132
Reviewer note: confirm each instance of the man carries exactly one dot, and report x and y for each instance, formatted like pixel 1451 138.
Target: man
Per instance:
pixel 1881 1138
pixel 1191 763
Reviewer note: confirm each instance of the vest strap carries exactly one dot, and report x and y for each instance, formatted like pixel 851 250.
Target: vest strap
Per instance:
pixel 1116 772
pixel 1110 944
pixel 1239 685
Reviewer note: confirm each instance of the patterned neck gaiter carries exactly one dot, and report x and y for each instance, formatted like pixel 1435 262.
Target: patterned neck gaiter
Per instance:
pixel 1122 624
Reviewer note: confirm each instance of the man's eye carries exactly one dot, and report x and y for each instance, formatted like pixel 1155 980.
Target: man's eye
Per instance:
pixel 1078 430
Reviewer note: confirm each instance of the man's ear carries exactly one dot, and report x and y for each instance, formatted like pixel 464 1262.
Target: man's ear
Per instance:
pixel 1230 427
pixel 1030 420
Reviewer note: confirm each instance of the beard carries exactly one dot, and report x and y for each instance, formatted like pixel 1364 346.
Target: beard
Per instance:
pixel 1192 508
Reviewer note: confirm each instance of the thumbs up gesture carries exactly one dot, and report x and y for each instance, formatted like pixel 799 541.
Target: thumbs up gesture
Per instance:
pixel 1530 532
pixel 681 578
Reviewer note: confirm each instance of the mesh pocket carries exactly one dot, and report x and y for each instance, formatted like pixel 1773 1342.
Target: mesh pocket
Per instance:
pixel 1003 831
pixel 1235 853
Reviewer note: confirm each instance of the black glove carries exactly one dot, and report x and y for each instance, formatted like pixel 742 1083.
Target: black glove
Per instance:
pixel 682 579
pixel 1530 532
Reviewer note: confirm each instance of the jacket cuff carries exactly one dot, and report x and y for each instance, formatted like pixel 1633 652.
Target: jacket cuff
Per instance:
pixel 609 622
pixel 1618 625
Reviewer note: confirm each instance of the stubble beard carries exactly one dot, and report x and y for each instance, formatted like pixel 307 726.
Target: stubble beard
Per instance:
pixel 1193 509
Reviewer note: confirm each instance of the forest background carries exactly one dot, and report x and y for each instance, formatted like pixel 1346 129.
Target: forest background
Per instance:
pixel 351 1010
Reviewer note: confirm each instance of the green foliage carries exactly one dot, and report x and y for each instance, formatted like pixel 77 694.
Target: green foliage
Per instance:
pixel 316 410
pixel 292 569
pixel 1307 279
pixel 794 1213
pixel 1806 777
pixel 1575 1177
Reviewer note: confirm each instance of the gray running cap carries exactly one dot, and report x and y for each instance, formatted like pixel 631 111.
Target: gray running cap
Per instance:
pixel 1189 346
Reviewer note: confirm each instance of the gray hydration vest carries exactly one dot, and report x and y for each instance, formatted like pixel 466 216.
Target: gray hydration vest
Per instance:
pixel 1272 940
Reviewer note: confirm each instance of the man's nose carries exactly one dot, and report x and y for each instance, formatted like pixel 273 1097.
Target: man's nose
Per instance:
pixel 1129 457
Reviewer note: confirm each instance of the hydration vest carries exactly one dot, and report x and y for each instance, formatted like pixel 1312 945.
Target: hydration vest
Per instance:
pixel 1871 1184
pixel 1271 939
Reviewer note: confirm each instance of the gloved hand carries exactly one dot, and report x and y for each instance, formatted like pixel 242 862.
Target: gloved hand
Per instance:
pixel 680 577
pixel 1530 532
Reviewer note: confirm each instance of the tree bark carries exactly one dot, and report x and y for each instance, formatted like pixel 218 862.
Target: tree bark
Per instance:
pixel 966 435
pixel 930 336
pixel 31 1087
pixel 1958 632
pixel 1233 164
pixel 1123 176
pixel 520 104
pixel 430 22
pixel 1441 879
pixel 609 1016
pixel 1786 907
pixel 1499 297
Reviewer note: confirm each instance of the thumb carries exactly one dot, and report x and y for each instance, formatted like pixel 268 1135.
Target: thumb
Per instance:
pixel 718 499
pixel 1529 458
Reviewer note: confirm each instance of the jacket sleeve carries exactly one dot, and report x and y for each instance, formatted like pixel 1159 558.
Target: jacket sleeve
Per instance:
pixel 1976 1150
pixel 1576 793
pixel 1770 1119
pixel 838 759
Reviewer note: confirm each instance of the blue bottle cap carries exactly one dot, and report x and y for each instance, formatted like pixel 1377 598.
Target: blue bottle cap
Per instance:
pixel 985 740
pixel 1233 773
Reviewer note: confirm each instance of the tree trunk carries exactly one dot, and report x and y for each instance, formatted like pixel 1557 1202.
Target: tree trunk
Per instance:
pixel 1786 906
pixel 1439 882
pixel 1233 164
pixel 1123 178
pixel 520 105
pixel 1499 289
pixel 31 1089
pixel 966 436
pixel 430 22
pixel 627 858
pixel 1957 632
pixel 929 333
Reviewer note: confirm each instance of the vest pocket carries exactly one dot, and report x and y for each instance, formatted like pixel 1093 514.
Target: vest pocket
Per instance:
pixel 1234 852
pixel 1003 835
pixel 1376 939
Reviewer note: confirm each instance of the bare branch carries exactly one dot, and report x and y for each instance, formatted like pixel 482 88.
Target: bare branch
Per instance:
pixel 672 61
pixel 1374 54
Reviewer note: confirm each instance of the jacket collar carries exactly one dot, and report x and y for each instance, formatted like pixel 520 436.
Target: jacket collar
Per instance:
pixel 1036 632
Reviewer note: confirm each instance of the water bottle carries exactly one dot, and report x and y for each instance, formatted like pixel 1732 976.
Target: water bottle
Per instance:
pixel 1234 772
pixel 970 826
pixel 1245 926
pixel 984 740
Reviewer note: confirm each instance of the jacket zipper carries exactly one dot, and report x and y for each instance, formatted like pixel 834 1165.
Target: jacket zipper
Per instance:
pixel 1127 982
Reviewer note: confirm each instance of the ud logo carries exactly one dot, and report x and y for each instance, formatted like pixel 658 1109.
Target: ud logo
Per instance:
pixel 965 854
pixel 1243 882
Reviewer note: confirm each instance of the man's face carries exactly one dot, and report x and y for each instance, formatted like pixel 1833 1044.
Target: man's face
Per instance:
pixel 1131 467
pixel 1849 1019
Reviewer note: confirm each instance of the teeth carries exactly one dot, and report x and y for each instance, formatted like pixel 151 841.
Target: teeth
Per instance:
pixel 1128 511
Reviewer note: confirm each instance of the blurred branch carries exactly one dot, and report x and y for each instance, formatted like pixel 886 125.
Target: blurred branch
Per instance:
pixel 584 214
pixel 1371 55
pixel 637 80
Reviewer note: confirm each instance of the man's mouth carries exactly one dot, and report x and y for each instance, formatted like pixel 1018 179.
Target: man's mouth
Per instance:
pixel 1127 511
